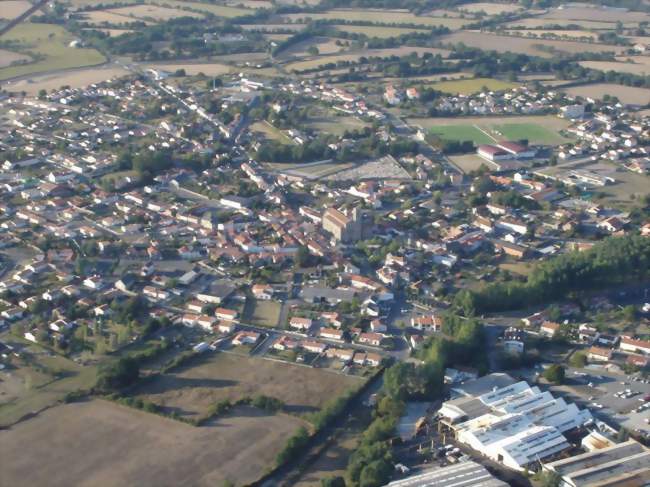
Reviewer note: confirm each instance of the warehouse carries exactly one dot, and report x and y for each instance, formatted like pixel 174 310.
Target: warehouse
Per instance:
pixel 465 474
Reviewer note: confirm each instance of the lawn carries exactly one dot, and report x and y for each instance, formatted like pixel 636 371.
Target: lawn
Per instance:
pixel 50 43
pixel 102 443
pixel 261 313
pixel 212 377
pixel 461 133
pixel 533 133
pixel 471 86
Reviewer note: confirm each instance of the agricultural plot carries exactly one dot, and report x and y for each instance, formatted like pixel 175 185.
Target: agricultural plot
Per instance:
pixel 333 59
pixel 9 58
pixel 210 378
pixel 629 95
pixel 10 9
pixel 537 129
pixel 323 45
pixel 471 86
pixel 378 31
pixel 139 448
pixel 540 23
pixel 579 35
pixel 152 13
pixel 273 27
pixel 77 78
pixel 602 14
pixel 381 17
pixel 489 8
pixel 51 44
pixel 214 9
pixel 536 47
pixel 639 65
pixel 193 69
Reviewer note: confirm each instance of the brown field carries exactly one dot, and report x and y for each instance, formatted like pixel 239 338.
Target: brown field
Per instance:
pixel 272 27
pixel 636 66
pixel 381 17
pixel 218 10
pixel 537 22
pixel 213 377
pixel 192 69
pixel 596 14
pixel 565 34
pixel 10 9
pixel 486 41
pixel 152 12
pixel 398 51
pixel 75 79
pixel 7 58
pixel 99 17
pixel 468 162
pixel 626 94
pixel 489 8
pixel 377 31
pixel 114 32
pixel 250 3
pixel 101 443
pixel 325 45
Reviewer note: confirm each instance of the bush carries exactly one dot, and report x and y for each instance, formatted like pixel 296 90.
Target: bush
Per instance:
pixel 295 444
pixel 116 375
pixel 555 374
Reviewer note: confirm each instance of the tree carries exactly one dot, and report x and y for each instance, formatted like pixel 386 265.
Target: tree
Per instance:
pixel 333 482
pixel 578 359
pixel 555 374
pixel 302 256
pixel 118 374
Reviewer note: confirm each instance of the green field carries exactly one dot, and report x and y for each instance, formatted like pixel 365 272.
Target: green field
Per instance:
pixel 377 31
pixel 48 44
pixel 461 133
pixel 474 85
pixel 534 133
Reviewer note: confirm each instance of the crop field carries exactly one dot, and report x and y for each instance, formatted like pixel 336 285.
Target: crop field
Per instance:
pixel 218 10
pixel 381 17
pixel 626 94
pixel 626 64
pixel 153 13
pixel 398 51
pixel 596 14
pixel 76 78
pixel 139 448
pixel 377 31
pixel 325 45
pixel 7 58
pixel 471 86
pixel 10 9
pixel 113 32
pixel 192 69
pixel 51 42
pixel 581 35
pixel 537 129
pixel 489 8
pixel 538 22
pixel 210 378
pixel 273 27
pixel 106 17
pixel 486 41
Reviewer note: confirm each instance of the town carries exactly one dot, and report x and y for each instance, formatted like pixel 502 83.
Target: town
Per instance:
pixel 386 269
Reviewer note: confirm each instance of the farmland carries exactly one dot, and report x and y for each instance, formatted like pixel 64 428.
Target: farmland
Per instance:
pixel 595 14
pixel 537 129
pixel 626 94
pixel 628 64
pixel 538 22
pixel 489 8
pixel 50 43
pixel 10 9
pixel 191 389
pixel 381 17
pixel 7 58
pixel 325 45
pixel 537 47
pixel 76 78
pixel 138 448
pixel 377 31
pixel 192 69
pixel 471 86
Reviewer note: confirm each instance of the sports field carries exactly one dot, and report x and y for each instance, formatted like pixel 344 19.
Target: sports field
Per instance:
pixel 474 85
pixel 530 131
pixel 461 133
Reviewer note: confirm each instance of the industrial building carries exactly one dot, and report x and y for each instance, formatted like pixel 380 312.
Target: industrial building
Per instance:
pixel 465 474
pixel 510 422
pixel 625 464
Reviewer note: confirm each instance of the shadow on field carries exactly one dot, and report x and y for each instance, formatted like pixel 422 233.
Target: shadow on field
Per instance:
pixel 172 383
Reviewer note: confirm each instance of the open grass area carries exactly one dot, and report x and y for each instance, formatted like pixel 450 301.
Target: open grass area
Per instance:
pixel 325 45
pixel 261 313
pixel 212 377
pixel 27 387
pixel 49 45
pixel 270 132
pixel 529 131
pixel 139 448
pixel 473 85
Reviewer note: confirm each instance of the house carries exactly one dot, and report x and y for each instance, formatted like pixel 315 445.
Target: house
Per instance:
pixel 378 326
pixel 342 354
pixel 313 346
pixel 331 334
pixel 95 283
pixel 226 314
pixel 598 354
pixel 226 327
pixel 11 314
pixel 427 323
pixel 373 339
pixel 373 359
pixel 262 291
pixel 217 293
pixel 359 358
pixel 332 319
pixel 206 322
pixel 246 338
pixel 285 343
pixel 628 344
pixel 61 325
pixel 549 329
pixel 302 324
